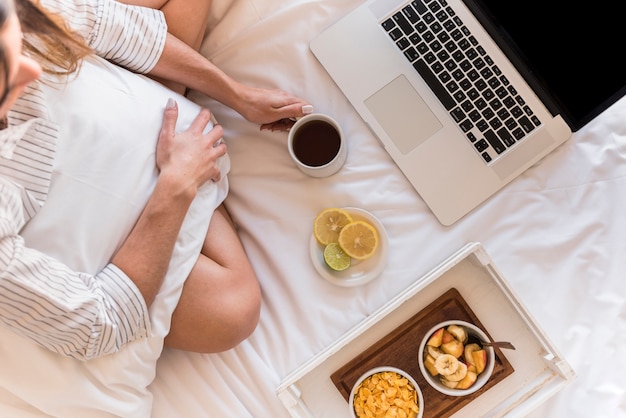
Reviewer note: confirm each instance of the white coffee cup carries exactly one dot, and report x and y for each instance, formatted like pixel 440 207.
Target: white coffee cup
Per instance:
pixel 317 145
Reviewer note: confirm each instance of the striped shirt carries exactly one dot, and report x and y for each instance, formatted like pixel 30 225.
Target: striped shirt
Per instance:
pixel 74 314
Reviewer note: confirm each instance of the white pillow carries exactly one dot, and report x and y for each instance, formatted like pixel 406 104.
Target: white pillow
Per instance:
pixel 105 170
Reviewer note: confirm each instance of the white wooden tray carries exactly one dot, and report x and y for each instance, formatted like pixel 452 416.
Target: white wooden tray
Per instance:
pixel 539 369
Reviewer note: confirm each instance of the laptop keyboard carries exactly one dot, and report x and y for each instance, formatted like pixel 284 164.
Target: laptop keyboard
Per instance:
pixel 480 99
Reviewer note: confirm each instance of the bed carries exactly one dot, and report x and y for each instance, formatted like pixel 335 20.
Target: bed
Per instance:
pixel 557 234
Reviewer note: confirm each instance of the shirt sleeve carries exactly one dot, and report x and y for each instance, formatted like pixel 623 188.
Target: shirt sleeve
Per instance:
pixel 129 36
pixel 72 313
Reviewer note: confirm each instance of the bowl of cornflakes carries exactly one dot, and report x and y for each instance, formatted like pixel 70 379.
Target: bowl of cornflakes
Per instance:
pixel 386 391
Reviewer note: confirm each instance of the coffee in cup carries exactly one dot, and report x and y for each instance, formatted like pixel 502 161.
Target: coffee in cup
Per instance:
pixel 317 145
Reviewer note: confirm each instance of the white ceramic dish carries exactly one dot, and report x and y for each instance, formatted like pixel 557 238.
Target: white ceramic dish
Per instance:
pixel 482 379
pixel 420 397
pixel 360 271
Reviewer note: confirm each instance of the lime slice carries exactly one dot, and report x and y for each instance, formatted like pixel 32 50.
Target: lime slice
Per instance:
pixel 335 257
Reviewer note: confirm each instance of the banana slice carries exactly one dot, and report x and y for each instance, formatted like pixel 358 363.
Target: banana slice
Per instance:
pixel 433 351
pixel 459 374
pixel 447 364
pixel 458 332
pixel 448 383
pixel 467 353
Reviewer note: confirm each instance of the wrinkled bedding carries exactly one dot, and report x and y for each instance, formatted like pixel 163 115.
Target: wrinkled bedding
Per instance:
pixel 557 234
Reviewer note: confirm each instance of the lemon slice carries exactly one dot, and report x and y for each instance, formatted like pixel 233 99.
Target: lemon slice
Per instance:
pixel 335 257
pixel 328 223
pixel 358 239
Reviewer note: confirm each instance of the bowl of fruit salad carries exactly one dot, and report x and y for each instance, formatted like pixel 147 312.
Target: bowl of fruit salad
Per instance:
pixel 453 360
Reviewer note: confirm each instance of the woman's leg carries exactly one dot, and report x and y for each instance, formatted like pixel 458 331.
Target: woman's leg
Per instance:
pixel 221 299
pixel 186 20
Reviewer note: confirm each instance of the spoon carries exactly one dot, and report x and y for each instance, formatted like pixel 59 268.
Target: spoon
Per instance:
pixel 500 344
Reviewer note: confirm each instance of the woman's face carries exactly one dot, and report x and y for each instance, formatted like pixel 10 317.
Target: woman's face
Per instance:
pixel 22 70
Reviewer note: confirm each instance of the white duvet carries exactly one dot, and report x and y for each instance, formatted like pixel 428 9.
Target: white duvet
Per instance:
pixel 557 234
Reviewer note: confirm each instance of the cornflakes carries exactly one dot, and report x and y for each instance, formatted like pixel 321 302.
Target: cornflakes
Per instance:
pixel 386 395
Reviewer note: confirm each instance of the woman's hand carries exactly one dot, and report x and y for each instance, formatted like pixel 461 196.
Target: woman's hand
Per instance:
pixel 189 157
pixel 272 109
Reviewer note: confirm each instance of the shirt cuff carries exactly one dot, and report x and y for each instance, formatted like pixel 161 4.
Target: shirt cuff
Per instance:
pixel 126 301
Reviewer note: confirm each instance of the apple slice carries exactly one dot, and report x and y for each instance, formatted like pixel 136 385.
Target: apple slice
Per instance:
pixel 480 360
pixel 436 339
pixel 429 363
pixel 446 337
pixel 467 381
pixel 454 347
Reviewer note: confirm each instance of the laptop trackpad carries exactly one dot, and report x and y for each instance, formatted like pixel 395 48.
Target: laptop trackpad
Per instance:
pixel 403 114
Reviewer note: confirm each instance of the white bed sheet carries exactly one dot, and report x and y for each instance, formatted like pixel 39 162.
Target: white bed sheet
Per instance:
pixel 557 233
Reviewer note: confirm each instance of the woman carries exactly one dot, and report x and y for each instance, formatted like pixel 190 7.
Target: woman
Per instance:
pixel 220 302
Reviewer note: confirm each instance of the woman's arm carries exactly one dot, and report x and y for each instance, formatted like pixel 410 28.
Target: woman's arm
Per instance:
pixel 186 161
pixel 182 64
pixel 145 46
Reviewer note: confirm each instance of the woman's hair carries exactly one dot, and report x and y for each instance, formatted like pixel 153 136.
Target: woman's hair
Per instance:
pixel 6 8
pixel 48 39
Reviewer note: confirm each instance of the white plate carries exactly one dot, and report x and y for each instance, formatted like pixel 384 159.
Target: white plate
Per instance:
pixel 360 271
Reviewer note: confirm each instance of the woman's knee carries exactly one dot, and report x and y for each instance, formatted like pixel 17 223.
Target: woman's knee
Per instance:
pixel 221 301
pixel 243 319
pixel 236 317
pixel 216 314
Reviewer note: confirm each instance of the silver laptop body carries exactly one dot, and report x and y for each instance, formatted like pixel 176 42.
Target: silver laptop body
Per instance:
pixel 439 157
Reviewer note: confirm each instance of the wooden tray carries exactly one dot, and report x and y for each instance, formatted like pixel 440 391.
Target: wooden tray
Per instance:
pixel 400 347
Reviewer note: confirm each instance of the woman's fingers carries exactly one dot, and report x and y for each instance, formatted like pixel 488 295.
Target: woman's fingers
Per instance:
pixel 191 154
pixel 201 120
pixel 170 116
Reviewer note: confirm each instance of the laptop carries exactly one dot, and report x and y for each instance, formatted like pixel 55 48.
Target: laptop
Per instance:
pixel 465 95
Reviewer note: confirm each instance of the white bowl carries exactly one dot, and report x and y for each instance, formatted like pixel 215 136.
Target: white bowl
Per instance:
pixel 482 379
pixel 419 397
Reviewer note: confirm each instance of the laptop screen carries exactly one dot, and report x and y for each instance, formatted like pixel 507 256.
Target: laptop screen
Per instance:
pixel 573 51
